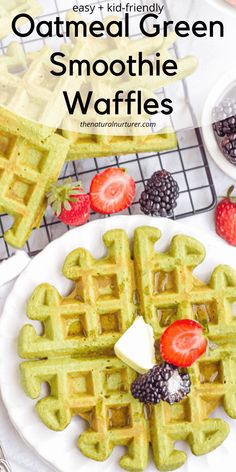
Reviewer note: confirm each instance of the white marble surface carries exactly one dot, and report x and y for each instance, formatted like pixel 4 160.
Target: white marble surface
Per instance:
pixel 22 459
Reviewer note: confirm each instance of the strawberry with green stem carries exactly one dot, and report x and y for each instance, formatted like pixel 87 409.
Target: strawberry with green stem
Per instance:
pixel 69 202
pixel 225 218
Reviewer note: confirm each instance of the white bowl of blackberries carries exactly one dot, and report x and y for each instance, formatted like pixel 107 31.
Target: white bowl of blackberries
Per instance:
pixel 224 127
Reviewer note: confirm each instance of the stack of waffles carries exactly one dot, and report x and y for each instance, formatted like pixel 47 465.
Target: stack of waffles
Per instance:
pixel 75 353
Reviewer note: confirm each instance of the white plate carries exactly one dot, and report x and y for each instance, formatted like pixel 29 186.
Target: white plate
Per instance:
pixel 221 88
pixel 59 449
pixel 223 6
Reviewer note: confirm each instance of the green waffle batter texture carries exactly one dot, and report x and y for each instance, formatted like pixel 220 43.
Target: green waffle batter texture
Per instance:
pixel 29 164
pixel 75 352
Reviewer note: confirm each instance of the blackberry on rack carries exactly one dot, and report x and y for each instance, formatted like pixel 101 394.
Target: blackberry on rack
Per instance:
pixel 163 382
pixel 160 195
pixel 228 146
pixel 224 117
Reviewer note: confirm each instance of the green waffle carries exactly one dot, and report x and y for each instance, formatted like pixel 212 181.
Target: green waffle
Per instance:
pixel 11 8
pixel 97 312
pixel 75 354
pixel 28 89
pixel 29 164
pixel 93 145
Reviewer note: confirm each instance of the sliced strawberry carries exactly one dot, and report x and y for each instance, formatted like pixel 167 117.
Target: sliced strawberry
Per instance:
pixel 111 191
pixel 182 343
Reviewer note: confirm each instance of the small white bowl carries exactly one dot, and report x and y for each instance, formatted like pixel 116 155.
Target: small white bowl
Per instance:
pixel 226 83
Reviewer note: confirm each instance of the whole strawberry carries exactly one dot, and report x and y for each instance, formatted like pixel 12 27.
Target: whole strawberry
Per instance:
pixel 69 202
pixel 225 218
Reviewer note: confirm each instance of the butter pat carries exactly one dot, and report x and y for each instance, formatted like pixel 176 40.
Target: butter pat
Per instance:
pixel 136 347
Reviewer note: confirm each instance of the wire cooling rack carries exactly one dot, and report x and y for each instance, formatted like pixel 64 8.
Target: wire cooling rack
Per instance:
pixel 187 163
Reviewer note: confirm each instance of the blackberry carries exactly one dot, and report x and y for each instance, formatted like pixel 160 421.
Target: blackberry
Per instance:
pixel 163 382
pixel 225 127
pixel 228 146
pixel 160 195
pixel 224 117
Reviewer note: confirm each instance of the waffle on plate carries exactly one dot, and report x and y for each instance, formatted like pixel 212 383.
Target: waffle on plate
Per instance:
pixel 75 353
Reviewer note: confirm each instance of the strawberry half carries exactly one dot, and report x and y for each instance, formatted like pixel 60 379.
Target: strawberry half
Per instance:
pixel 69 202
pixel 182 343
pixel 112 191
